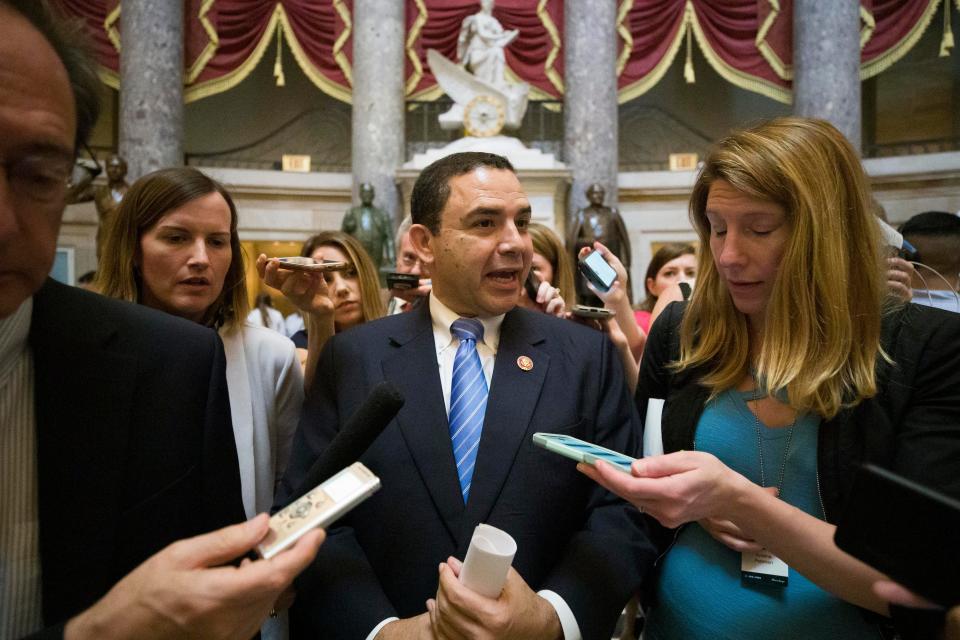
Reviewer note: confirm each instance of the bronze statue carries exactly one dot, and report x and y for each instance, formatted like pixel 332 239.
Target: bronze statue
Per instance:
pixel 598 222
pixel 373 228
pixel 105 197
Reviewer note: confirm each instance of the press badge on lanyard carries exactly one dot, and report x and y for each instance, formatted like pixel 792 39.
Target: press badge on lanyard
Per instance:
pixel 763 568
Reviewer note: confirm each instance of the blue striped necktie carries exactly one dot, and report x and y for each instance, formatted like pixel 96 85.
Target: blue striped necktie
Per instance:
pixel 468 400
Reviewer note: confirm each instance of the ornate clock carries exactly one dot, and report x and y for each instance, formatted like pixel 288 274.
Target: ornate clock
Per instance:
pixel 484 116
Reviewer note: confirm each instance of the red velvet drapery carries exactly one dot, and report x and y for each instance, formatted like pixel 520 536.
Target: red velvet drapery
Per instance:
pixel 748 42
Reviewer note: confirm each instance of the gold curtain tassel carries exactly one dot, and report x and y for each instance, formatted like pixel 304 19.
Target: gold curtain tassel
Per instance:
pixel 946 44
pixel 278 64
pixel 688 73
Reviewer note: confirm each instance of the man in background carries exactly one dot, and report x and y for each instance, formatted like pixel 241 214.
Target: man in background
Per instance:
pixel 408 262
pixel 936 237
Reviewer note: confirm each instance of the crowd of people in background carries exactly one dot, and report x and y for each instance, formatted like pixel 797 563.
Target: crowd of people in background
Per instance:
pixel 776 354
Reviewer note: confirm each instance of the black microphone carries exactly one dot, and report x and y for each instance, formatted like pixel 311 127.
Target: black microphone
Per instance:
pixel 369 421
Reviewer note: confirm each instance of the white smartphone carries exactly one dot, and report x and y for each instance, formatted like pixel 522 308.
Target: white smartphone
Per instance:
pixel 318 508
pixel 582 451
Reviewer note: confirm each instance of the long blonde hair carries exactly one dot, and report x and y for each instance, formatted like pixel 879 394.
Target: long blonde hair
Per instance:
pixel 145 203
pixel 821 333
pixel 371 304
pixel 547 244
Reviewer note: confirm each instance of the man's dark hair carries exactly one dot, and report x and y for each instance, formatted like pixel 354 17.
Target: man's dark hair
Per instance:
pixel 70 44
pixel 932 223
pixel 432 189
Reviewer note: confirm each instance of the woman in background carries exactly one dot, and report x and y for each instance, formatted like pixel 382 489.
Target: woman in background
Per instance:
pixel 264 315
pixel 332 301
pixel 174 246
pixel 672 263
pixel 790 366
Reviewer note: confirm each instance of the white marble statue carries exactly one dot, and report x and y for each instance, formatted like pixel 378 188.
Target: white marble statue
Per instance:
pixel 481 44
pixel 480 72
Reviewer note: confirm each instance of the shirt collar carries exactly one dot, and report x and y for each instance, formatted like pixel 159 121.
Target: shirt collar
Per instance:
pixel 443 317
pixel 14 332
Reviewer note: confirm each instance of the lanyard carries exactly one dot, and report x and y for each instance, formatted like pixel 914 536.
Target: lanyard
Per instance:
pixel 786 449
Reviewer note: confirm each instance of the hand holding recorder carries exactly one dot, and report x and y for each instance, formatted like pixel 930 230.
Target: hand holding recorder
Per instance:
pixel 185 591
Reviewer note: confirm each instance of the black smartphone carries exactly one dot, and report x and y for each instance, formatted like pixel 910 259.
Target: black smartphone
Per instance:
pixel 402 281
pixel 597 270
pixel 906 530
pixel 532 285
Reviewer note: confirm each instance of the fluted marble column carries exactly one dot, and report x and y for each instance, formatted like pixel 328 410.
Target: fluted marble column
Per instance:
pixel 590 98
pixel 826 63
pixel 378 99
pixel 151 85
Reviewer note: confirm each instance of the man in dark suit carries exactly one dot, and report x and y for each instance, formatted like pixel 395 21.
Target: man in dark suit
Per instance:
pixel 115 431
pixel 470 363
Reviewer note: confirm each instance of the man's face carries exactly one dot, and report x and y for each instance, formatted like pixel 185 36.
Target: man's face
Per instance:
pixel 482 254
pixel 37 129
pixel 407 259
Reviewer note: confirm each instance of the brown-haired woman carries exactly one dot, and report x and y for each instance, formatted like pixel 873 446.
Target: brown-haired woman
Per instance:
pixel 330 302
pixel 173 246
pixel 672 263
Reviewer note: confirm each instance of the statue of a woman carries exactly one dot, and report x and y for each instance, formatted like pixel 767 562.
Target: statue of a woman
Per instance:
pixel 481 44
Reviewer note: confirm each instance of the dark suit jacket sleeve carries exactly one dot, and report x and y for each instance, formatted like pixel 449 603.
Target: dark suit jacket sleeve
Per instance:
pixel 605 562
pixel 654 379
pixel 50 633
pixel 221 473
pixel 341 565
pixel 928 439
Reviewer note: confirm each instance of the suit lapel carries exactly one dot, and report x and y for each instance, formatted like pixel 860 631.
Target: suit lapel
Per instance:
pixel 83 394
pixel 513 395
pixel 423 419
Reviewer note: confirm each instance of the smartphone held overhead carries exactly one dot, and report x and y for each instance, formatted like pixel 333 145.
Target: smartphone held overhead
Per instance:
pixel 597 271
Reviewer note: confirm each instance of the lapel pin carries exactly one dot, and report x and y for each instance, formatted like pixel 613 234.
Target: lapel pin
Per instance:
pixel 525 363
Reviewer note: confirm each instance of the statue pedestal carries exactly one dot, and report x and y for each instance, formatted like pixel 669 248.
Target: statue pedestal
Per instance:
pixel 545 179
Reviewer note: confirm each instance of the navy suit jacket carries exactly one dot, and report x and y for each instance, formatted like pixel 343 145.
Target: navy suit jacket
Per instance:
pixel 573 537
pixel 135 445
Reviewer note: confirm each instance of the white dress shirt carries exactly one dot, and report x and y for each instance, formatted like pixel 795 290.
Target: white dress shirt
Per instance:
pixel 20 596
pixel 447 344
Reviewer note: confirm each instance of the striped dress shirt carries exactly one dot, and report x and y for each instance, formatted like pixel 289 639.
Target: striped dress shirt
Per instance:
pixel 20 598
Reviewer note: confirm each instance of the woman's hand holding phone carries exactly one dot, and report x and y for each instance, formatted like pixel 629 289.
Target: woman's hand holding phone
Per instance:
pixel 307 290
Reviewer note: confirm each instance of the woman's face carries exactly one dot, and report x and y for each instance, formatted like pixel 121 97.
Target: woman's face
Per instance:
pixel 747 240
pixel 344 288
pixel 185 256
pixel 680 269
pixel 542 268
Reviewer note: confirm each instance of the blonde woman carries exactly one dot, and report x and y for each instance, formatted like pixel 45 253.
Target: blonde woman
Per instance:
pixel 330 302
pixel 789 367
pixel 173 246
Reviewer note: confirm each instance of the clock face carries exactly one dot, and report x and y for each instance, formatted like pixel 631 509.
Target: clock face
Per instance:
pixel 484 116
